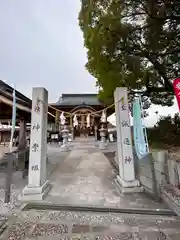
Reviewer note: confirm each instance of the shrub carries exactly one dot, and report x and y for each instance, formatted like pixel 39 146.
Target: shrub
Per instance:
pixel 166 132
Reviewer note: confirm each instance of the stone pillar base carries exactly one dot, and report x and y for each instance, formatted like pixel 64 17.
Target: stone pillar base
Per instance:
pixel 35 193
pixel 128 187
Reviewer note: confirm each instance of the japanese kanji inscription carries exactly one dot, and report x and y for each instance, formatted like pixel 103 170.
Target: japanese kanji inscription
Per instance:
pixel 128 160
pixel 36 127
pixel 37 106
pixel 126 141
pixel 123 107
pixel 35 168
pixel 35 147
pixel 125 124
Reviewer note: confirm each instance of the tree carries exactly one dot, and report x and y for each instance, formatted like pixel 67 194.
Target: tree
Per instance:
pixel 134 44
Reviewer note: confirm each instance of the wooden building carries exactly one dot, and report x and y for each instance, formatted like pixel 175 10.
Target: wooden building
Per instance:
pixel 72 104
pixel 23 112
pixel 6 102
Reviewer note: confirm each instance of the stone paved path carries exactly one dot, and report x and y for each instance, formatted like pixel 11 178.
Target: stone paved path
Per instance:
pixel 85 177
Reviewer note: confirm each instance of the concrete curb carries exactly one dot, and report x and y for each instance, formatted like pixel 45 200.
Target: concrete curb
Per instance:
pixel 88 208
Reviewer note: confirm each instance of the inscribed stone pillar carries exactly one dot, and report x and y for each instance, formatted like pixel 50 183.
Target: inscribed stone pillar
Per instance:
pixel 38 186
pixel 126 178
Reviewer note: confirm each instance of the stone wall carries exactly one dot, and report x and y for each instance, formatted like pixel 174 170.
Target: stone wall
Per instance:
pixel 146 174
pixel 154 171
pixel 159 174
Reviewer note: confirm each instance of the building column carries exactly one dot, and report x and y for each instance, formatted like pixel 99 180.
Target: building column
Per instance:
pixel 72 127
pixel 22 134
pixel 22 150
pixel 92 120
pixel 82 119
pixel 38 186
pixel 126 178
pixel 57 117
pixel 71 121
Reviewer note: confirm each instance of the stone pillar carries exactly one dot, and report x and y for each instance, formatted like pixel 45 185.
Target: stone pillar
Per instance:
pixel 126 178
pixel 22 134
pixel 38 186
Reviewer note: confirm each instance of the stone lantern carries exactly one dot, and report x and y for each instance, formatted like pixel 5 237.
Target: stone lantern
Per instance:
pixel 65 134
pixel 103 131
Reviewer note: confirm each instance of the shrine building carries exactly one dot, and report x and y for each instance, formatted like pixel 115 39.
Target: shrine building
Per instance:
pixel 80 105
pixel 71 104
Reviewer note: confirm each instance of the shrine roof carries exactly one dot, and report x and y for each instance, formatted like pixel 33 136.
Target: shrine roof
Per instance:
pixel 78 99
pixel 7 91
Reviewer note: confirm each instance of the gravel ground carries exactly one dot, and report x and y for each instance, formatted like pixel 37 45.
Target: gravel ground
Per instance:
pixel 6 209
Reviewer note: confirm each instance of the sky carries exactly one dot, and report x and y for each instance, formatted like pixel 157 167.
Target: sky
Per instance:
pixel 41 45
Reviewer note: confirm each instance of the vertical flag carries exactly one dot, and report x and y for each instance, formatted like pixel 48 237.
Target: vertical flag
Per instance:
pixel 140 139
pixel 176 86
pixel 13 120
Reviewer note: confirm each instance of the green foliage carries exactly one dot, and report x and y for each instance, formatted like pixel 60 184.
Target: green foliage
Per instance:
pixel 166 132
pixel 134 44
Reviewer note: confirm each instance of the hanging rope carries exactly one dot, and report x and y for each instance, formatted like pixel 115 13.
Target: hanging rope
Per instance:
pixel 82 114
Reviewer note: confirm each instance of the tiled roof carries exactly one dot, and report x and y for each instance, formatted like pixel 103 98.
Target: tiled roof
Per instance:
pixel 7 91
pixel 78 99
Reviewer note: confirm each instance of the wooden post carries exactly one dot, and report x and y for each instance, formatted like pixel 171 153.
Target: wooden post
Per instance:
pixel 71 126
pixel 57 117
pixel 71 121
pixel 9 158
pixel 22 134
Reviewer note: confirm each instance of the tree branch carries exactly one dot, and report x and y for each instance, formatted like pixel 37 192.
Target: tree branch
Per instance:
pixel 166 17
pixel 160 69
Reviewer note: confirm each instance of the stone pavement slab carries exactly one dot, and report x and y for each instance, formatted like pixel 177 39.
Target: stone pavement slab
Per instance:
pixel 86 177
